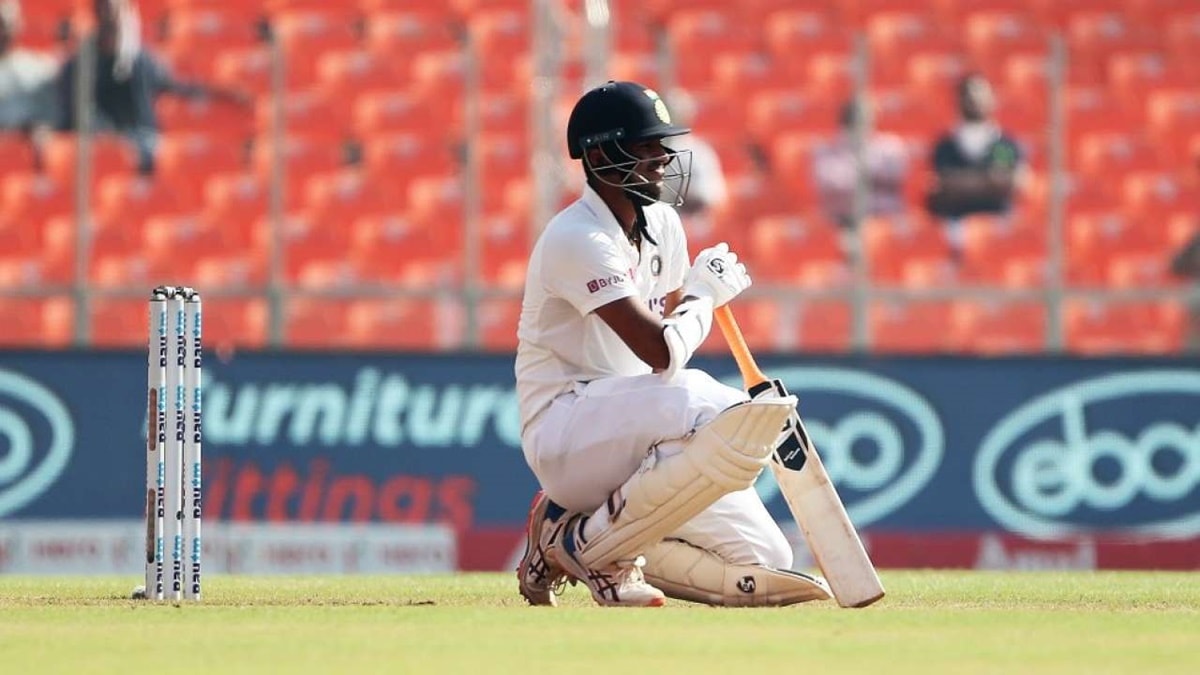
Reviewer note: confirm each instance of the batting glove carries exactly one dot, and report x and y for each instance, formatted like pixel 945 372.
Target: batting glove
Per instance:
pixel 716 274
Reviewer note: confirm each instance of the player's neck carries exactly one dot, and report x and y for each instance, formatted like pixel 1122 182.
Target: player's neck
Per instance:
pixel 620 206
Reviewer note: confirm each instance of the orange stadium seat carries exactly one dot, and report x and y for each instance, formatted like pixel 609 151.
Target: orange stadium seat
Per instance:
pixel 761 322
pixel 203 28
pixel 311 323
pixel 985 327
pixel 992 245
pixel 894 35
pixel 1181 31
pixel 1105 154
pixel 237 199
pixel 910 112
pixel 1097 109
pixel 935 74
pixel 38 253
pixel 235 322
pixel 1126 328
pixel 249 68
pixel 396 158
pixel 993 33
pixel 1154 192
pixel 42 323
pixel 213 118
pixel 1091 240
pixel 1136 74
pixel 392 111
pixel 34 198
pixel 109 155
pixel 302 157
pixel 1147 267
pixel 821 326
pixel 344 73
pixel 132 198
pixel 119 322
pixel 504 250
pixel 405 29
pixel 499 32
pixel 777 112
pixel 498 318
pixel 16 153
pixel 906 327
pixel 404 324
pixel 1172 111
pixel 892 242
pixel 345 194
pixel 796 250
pixel 408 249
pixel 785 28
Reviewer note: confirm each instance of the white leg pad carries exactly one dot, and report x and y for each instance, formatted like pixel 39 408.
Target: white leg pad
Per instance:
pixel 723 456
pixel 686 572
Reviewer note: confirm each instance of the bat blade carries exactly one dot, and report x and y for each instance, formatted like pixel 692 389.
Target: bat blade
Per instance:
pixel 808 491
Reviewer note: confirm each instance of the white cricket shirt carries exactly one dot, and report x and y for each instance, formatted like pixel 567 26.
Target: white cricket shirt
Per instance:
pixel 582 261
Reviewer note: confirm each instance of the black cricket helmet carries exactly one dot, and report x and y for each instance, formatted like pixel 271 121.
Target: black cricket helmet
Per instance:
pixel 616 114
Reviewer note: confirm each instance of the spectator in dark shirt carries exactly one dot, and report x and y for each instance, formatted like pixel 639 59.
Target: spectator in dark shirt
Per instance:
pixel 128 79
pixel 978 167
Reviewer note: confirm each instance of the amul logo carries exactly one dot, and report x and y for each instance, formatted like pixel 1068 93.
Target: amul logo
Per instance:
pixel 36 435
pixel 880 441
pixel 1118 452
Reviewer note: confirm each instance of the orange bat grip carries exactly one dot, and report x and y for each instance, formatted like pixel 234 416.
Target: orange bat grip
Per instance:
pixel 751 375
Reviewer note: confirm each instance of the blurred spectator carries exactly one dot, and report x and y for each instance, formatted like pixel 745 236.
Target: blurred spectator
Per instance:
pixel 26 81
pixel 836 174
pixel 128 79
pixel 1185 263
pixel 707 191
pixel 978 167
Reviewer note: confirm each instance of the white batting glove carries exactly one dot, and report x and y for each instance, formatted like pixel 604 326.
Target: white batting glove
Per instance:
pixel 716 274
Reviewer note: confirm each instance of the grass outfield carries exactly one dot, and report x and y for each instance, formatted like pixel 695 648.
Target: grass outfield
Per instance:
pixel 944 622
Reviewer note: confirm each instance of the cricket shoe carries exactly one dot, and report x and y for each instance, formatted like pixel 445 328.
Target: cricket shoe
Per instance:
pixel 618 585
pixel 538 575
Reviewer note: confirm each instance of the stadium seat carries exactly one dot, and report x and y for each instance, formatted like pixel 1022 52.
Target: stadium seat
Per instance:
pixel 232 123
pixel 1098 328
pixel 821 326
pixel 796 250
pixel 397 158
pixel 408 249
pixel 991 246
pixel 236 200
pixel 344 73
pixel 908 327
pixel 204 28
pixel 16 153
pixel 1106 154
pixel 993 33
pixel 132 198
pixel 311 323
pixel 892 242
pixel 405 29
pixel 404 324
pixel 35 198
pixel 1172 111
pixel 109 155
pixel 37 254
pixel 235 322
pixel 498 319
pixel 787 111
pixel 393 111
pixel 1153 192
pixel 991 328
pixel 39 323
pixel 344 195
pixel 184 156
pixel 1136 74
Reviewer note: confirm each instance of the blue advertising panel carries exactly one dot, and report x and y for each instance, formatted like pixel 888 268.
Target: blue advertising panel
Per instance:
pixel 1033 446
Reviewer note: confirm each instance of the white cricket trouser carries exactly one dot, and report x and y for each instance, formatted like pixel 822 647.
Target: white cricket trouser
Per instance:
pixel 589 442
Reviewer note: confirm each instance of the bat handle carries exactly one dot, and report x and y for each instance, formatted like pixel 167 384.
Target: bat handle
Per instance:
pixel 751 374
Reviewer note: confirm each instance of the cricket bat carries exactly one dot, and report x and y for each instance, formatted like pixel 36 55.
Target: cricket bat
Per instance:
pixel 809 493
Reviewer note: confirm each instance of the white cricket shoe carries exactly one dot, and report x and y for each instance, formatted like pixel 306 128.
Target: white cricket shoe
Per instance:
pixel 619 585
pixel 539 577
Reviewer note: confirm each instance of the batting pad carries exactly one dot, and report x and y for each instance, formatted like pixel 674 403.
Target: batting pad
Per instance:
pixel 723 456
pixel 687 572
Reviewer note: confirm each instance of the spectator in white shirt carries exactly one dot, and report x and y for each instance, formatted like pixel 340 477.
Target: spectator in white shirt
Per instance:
pixel 27 91
pixel 836 171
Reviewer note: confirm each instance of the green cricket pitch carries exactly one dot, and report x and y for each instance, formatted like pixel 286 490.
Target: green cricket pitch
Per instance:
pixel 930 622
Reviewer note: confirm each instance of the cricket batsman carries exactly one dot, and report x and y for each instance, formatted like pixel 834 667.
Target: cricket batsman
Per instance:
pixel 646 466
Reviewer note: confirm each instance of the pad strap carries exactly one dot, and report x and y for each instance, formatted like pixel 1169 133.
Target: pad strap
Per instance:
pixel 723 456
